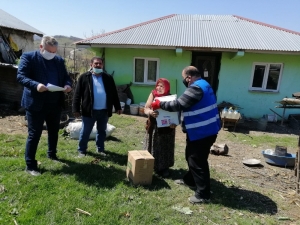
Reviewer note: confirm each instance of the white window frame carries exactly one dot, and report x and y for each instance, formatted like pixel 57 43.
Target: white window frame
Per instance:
pixel 265 79
pixel 146 70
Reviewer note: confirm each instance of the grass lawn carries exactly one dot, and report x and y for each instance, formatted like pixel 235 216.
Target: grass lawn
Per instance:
pixel 99 186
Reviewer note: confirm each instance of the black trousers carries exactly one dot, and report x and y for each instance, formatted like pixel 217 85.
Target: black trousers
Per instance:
pixel 196 155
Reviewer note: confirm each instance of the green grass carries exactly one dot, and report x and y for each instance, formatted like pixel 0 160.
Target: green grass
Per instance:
pixel 99 186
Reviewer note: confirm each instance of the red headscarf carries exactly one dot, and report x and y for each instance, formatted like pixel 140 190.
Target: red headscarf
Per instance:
pixel 167 87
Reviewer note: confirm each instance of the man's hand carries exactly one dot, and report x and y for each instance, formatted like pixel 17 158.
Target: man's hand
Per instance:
pixel 119 112
pixel 41 88
pixel 156 104
pixel 67 88
pixel 173 126
pixel 77 114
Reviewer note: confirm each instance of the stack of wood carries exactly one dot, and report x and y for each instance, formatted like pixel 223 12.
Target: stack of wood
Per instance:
pixel 290 101
pixel 296 95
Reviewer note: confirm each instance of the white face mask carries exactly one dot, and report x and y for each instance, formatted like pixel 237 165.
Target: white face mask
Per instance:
pixel 97 71
pixel 47 55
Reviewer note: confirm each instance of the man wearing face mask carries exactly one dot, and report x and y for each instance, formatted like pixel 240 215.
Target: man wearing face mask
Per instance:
pixel 35 71
pixel 94 97
pixel 201 123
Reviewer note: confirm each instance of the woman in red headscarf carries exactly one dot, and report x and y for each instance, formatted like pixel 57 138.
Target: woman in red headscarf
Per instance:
pixel 160 142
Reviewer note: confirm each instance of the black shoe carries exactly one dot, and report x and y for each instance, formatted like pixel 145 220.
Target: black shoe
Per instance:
pixel 163 173
pixel 53 157
pixel 181 182
pixel 32 172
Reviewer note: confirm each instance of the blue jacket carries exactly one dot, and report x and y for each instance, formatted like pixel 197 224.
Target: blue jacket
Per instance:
pixel 202 119
pixel 32 71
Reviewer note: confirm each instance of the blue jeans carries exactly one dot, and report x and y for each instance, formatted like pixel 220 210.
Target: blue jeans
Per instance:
pixel 51 114
pixel 99 116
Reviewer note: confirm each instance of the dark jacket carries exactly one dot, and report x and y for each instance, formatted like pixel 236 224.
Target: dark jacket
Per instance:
pixel 83 99
pixel 32 71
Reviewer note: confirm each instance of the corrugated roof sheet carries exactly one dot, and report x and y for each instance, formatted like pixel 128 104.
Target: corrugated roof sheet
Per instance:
pixel 9 21
pixel 203 31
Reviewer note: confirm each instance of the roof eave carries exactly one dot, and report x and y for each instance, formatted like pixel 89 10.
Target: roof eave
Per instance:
pixel 207 49
pixel 39 34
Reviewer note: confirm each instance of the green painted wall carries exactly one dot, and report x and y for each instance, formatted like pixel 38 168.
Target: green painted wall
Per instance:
pixel 235 78
pixel 120 62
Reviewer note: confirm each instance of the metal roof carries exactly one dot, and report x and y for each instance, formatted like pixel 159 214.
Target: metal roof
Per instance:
pixel 225 32
pixel 9 21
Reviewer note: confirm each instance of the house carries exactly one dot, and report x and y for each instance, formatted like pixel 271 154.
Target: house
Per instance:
pixel 15 37
pixel 248 63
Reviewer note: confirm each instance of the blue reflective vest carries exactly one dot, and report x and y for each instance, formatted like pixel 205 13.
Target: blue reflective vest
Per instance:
pixel 202 119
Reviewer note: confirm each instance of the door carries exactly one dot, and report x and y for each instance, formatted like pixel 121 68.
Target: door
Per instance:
pixel 209 63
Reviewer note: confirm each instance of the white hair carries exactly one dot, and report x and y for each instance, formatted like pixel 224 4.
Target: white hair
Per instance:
pixel 48 40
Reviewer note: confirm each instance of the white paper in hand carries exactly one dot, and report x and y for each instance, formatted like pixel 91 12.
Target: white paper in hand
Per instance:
pixel 52 88
pixel 165 118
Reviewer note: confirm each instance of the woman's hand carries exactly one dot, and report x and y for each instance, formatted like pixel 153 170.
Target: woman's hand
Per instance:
pixel 153 113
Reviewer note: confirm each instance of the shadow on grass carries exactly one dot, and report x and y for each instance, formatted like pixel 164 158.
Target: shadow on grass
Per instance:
pixel 113 157
pixel 234 197
pixel 241 199
pixel 91 173
pixel 101 175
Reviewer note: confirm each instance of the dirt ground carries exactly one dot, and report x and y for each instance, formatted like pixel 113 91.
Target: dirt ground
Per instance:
pixel 278 179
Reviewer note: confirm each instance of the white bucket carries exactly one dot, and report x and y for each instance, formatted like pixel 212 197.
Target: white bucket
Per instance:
pixel 122 106
pixel 134 109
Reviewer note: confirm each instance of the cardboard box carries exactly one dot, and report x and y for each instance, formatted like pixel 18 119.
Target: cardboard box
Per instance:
pixel 140 167
pixel 165 118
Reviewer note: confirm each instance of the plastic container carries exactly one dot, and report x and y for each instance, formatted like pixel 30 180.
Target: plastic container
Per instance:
pixel 128 101
pixel 134 109
pixel 287 161
pixel 122 106
pixel 272 118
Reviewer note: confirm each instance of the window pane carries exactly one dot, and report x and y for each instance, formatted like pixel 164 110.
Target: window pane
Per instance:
pixel 258 76
pixel 139 70
pixel 152 68
pixel 273 76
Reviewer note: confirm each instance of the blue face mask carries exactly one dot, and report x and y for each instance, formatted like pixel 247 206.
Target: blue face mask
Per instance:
pixel 97 71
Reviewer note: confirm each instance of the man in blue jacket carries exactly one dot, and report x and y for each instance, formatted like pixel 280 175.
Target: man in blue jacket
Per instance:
pixel 201 123
pixel 35 71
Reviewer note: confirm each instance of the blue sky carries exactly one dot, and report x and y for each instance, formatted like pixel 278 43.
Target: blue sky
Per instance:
pixel 84 18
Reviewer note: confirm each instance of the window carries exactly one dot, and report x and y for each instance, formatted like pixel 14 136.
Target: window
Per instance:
pixel 266 76
pixel 146 70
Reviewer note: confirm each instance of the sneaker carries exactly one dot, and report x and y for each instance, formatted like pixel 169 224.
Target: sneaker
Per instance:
pixel 32 172
pixel 195 200
pixel 181 182
pixel 81 155
pixel 102 153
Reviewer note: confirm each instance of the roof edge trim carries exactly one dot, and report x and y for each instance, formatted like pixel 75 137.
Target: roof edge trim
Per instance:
pixel 127 28
pixel 268 25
